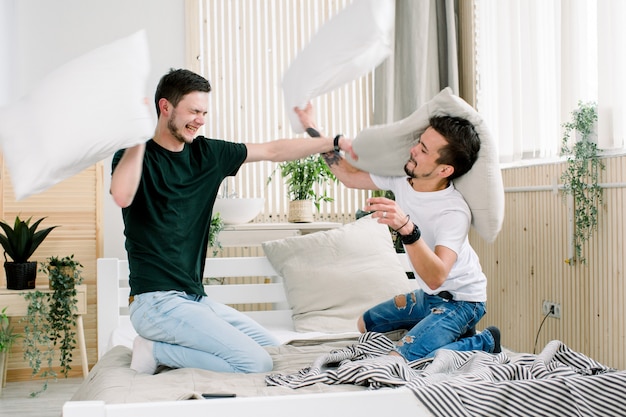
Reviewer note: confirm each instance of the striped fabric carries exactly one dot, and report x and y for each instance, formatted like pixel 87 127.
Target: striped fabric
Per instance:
pixel 557 382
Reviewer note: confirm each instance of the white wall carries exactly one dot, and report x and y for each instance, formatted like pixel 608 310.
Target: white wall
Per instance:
pixel 7 49
pixel 37 36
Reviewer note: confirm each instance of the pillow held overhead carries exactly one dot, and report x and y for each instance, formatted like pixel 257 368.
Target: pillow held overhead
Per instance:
pixel 348 46
pixel 384 149
pixel 78 115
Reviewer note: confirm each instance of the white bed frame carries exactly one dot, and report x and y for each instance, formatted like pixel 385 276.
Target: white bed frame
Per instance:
pixel 112 294
pixel 113 290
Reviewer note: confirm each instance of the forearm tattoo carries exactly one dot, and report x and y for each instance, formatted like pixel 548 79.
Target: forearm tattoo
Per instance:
pixel 332 158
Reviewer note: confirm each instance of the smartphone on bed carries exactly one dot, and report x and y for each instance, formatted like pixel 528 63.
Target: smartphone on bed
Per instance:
pixel 218 395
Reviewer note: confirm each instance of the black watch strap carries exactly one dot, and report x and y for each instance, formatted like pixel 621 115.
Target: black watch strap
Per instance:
pixel 412 237
pixel 336 143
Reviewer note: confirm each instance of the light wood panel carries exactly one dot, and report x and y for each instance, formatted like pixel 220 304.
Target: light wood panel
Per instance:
pixel 526 265
pixel 74 205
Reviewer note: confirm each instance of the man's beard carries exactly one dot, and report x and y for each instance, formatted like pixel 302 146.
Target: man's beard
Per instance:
pixel 171 126
pixel 412 174
pixel 407 171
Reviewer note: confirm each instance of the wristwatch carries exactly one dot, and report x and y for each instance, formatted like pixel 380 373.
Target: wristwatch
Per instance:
pixel 412 237
pixel 336 147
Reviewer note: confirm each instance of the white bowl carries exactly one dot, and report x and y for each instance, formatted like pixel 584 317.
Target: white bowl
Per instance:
pixel 238 210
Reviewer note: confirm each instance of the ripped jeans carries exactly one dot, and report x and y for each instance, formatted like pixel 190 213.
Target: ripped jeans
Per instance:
pixel 432 323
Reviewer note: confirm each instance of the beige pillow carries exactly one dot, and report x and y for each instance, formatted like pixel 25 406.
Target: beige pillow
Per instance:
pixel 332 277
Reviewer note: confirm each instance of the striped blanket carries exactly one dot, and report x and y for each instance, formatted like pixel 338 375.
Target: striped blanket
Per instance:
pixel 556 382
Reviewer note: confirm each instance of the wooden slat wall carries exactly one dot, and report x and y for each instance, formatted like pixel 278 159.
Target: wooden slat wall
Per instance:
pixel 74 205
pixel 525 265
pixel 243 48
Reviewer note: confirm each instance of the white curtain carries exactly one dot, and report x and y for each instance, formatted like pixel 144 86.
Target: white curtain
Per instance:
pixel 611 74
pixel 517 75
pixel 537 59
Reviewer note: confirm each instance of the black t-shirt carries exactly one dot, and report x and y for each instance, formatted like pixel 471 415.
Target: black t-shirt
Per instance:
pixel 167 224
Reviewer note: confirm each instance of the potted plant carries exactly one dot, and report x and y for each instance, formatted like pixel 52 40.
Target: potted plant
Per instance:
pixel 582 173
pixel 19 243
pixel 7 339
pixel 301 176
pixel 50 322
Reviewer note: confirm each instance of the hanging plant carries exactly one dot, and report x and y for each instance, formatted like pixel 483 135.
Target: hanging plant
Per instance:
pixel 64 274
pixel 50 321
pixel 37 344
pixel 582 173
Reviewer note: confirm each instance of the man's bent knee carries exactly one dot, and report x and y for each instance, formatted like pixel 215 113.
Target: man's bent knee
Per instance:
pixel 360 324
pixel 401 300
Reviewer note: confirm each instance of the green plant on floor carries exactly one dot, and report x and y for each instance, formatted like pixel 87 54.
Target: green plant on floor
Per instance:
pixel 581 175
pixel 50 322
pixel 7 337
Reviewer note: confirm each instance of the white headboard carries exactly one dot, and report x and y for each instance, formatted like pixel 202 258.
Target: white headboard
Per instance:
pixel 113 292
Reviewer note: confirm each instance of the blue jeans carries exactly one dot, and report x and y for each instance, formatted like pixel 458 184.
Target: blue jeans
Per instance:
pixel 432 324
pixel 195 331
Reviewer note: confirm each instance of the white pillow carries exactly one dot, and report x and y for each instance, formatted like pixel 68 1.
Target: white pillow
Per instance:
pixel 78 115
pixel 384 150
pixel 332 277
pixel 348 46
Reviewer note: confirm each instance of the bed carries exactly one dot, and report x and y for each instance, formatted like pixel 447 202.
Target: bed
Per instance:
pixel 321 370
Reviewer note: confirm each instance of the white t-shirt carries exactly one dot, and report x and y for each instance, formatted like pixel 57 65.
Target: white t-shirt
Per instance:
pixel 444 218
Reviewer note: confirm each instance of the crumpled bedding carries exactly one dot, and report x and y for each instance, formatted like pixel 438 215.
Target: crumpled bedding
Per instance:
pixel 556 382
pixel 111 380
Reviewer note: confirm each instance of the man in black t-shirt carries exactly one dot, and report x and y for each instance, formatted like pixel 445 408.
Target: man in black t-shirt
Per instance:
pixel 167 188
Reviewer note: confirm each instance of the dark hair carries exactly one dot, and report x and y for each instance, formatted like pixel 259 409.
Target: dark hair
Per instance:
pixel 177 83
pixel 463 143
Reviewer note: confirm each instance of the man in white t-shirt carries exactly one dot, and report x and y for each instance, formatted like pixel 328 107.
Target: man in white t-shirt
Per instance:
pixel 433 220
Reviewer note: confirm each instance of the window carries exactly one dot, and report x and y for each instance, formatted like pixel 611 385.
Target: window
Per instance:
pixel 537 59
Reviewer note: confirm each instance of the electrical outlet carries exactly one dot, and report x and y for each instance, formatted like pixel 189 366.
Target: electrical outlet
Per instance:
pixel 551 309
